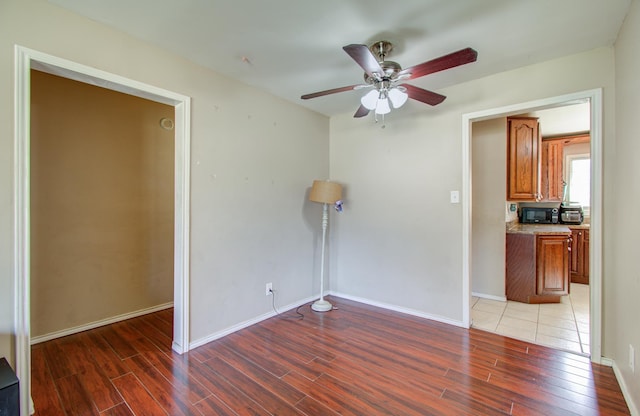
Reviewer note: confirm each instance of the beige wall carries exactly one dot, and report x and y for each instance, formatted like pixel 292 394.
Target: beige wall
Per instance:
pixel 399 179
pixel 253 159
pixel 488 182
pixel 622 280
pixel 101 204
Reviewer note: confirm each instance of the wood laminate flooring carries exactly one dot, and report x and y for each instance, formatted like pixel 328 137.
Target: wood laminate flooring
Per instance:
pixel 353 360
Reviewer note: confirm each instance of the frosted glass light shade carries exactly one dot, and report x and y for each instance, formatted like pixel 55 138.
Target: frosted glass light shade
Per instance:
pixel 383 106
pixel 397 97
pixel 370 99
pixel 325 192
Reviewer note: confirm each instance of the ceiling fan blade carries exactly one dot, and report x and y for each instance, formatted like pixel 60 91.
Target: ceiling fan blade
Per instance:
pixel 331 91
pixel 361 112
pixel 461 57
pixel 425 96
pixel 363 57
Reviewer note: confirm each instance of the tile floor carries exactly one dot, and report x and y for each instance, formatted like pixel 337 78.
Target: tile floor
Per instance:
pixel 562 325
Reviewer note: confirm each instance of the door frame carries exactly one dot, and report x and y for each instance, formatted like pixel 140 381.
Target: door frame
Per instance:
pixel 595 259
pixel 25 60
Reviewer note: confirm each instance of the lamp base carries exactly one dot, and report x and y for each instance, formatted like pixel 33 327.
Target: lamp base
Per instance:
pixel 321 306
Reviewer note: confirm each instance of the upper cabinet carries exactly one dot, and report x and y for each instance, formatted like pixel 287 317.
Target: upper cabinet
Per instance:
pixel 523 161
pixel 551 176
pixel 535 165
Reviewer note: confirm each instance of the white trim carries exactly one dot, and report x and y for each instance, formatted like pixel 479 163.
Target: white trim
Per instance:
pixel 21 234
pixel 217 335
pixel 400 309
pixel 626 393
pixel 608 362
pixel 97 324
pixel 490 297
pixel 595 269
pixel 466 222
pixel 25 59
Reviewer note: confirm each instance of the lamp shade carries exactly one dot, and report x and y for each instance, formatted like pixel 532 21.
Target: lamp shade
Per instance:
pixel 325 192
pixel 370 99
pixel 383 106
pixel 398 97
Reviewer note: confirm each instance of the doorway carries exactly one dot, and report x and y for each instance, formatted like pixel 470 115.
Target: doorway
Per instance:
pixel 101 206
pixel 25 60
pixel 593 97
pixel 565 133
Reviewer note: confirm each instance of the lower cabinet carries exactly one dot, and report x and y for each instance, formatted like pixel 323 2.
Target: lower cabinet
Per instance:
pixel 537 267
pixel 552 265
pixel 580 255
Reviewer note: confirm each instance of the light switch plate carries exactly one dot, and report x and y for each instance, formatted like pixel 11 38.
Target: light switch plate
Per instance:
pixel 455 197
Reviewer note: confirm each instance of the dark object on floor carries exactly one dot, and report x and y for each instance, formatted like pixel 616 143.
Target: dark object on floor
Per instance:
pixel 9 394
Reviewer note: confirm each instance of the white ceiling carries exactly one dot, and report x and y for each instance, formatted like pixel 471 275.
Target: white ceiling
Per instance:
pixel 293 47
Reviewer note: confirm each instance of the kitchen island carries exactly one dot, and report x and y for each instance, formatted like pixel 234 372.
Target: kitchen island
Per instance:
pixel 537 262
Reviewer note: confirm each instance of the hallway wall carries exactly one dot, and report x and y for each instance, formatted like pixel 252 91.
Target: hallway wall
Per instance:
pixel 102 196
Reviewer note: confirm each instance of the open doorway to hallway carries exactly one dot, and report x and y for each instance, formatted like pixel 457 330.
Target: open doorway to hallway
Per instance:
pixel 102 206
pixel 26 60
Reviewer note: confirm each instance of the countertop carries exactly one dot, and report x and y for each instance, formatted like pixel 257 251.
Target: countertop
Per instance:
pixel 518 228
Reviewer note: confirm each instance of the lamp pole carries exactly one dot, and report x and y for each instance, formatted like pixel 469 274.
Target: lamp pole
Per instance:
pixel 322 305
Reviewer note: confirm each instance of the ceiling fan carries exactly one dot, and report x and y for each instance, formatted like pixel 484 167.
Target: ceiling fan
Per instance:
pixel 386 78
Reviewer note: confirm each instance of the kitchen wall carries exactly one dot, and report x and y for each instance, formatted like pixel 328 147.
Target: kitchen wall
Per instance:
pixel 102 199
pixel 488 184
pixel 622 276
pixel 254 158
pixel 399 242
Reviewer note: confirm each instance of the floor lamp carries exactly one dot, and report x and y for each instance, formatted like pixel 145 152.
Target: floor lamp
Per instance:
pixel 326 193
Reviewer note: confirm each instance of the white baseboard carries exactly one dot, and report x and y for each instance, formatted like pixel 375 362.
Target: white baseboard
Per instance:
pixel 491 297
pixel 96 324
pixel 199 342
pixel 396 308
pixel 633 407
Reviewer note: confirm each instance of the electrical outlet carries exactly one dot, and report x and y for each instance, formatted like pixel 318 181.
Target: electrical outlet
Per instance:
pixel 632 359
pixel 269 288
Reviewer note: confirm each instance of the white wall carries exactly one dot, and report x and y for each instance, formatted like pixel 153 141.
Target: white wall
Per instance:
pixel 253 159
pixel 622 280
pixel 400 240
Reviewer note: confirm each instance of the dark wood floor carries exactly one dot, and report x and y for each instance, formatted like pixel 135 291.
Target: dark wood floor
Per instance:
pixel 356 360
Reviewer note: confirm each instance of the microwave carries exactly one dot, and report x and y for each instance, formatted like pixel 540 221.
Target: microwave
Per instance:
pixel 539 215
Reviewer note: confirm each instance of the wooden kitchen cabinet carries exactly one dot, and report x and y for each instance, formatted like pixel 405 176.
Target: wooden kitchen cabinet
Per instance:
pixel 580 256
pixel 551 165
pixel 551 174
pixel 523 161
pixel 552 265
pixel 537 267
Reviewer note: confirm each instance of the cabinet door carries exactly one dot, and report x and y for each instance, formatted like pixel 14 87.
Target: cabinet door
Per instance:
pixel 585 262
pixel 523 162
pixel 577 245
pixel 580 256
pixel 552 265
pixel 551 176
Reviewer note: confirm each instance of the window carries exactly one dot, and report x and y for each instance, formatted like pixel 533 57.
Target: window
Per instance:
pixel 579 180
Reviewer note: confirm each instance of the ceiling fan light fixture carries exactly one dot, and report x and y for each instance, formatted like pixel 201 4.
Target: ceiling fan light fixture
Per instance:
pixel 398 97
pixel 382 107
pixel 370 99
